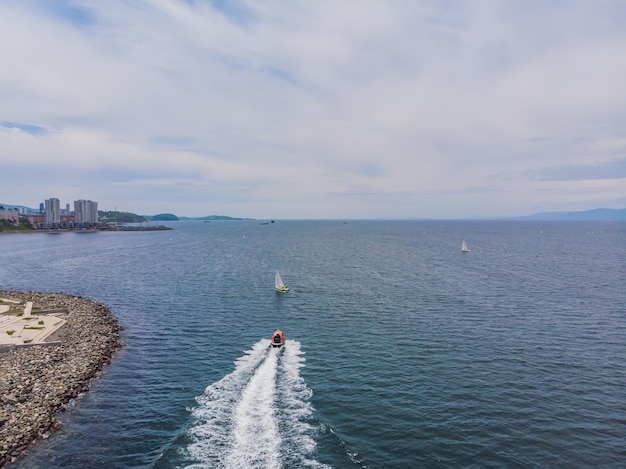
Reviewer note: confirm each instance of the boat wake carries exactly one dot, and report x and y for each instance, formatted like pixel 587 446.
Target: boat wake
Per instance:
pixel 257 416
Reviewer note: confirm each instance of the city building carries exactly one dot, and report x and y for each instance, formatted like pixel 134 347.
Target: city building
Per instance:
pixel 9 213
pixel 36 219
pixel 53 211
pixel 85 211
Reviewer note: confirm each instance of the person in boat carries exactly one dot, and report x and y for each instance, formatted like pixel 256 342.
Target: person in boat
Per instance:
pixel 278 339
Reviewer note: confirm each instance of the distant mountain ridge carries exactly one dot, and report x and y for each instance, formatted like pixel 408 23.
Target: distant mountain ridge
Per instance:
pixel 119 217
pixel 162 217
pixel 597 214
pixel 172 217
pixel 215 217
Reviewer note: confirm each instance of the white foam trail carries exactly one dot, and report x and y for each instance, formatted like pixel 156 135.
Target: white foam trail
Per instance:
pixel 256 439
pixel 257 415
pixel 295 410
pixel 212 430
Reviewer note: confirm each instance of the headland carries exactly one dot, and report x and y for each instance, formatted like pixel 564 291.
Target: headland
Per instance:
pixel 59 343
pixel 27 230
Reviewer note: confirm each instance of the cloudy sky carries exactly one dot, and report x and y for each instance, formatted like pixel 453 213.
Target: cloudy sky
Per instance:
pixel 315 109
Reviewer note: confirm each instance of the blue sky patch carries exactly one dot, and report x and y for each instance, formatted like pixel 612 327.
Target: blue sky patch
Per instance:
pixel 31 129
pixel 237 12
pixel 67 11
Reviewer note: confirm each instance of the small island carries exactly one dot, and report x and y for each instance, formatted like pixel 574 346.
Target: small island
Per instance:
pixel 43 370
pixel 172 217
pixel 162 217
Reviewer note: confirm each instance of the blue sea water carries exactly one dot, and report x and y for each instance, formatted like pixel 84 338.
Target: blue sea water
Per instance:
pixel 401 350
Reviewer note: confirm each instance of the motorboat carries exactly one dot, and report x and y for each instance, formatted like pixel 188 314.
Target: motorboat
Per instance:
pixel 278 339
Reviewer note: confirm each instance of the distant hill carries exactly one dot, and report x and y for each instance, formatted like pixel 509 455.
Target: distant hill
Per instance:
pixel 162 217
pixel 222 217
pixel 120 217
pixel 19 207
pixel 172 217
pixel 598 214
pixel 214 217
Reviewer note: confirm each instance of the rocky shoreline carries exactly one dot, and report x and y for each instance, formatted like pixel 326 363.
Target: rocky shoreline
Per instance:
pixel 37 382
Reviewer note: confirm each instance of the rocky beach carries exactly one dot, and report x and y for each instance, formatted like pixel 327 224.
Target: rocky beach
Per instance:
pixel 37 382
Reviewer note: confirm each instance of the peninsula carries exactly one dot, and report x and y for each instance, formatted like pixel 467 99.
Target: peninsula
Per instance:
pixel 54 345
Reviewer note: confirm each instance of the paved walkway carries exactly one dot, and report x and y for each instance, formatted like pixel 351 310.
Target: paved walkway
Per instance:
pixel 20 327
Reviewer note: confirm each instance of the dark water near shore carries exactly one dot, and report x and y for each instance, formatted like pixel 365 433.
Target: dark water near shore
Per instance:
pixel 401 352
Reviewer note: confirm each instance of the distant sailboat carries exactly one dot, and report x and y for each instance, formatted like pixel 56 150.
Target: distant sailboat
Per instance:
pixel 279 286
pixel 464 247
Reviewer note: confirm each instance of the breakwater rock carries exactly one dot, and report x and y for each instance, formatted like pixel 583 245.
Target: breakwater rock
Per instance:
pixel 37 382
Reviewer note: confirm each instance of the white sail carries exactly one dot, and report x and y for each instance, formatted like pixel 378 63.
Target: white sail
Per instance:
pixel 464 247
pixel 278 283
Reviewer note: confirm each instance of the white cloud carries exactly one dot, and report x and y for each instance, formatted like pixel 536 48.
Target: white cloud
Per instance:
pixel 315 109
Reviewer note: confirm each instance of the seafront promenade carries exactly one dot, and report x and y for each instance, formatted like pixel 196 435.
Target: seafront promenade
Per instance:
pixel 51 347
pixel 21 327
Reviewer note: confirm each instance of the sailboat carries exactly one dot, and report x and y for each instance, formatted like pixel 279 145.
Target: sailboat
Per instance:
pixel 279 286
pixel 464 247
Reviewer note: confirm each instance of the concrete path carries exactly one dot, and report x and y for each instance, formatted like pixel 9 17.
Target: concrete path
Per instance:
pixel 25 328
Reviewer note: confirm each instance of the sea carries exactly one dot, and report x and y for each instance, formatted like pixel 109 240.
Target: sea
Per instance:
pixel 401 351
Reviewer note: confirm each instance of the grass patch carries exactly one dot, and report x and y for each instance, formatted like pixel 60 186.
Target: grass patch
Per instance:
pixel 14 228
pixel 10 332
pixel 40 322
pixel 26 319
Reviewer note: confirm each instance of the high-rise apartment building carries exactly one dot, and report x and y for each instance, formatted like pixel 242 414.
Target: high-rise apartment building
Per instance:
pixel 9 213
pixel 85 211
pixel 53 211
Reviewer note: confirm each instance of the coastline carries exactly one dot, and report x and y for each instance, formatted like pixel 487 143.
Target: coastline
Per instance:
pixel 109 229
pixel 37 382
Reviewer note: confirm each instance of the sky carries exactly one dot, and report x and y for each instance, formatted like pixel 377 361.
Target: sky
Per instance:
pixel 326 109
